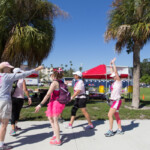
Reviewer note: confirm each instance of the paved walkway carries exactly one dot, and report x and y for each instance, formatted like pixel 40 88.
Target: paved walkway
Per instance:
pixel 36 135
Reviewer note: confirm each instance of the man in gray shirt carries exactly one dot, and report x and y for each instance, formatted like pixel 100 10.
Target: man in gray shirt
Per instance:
pixel 6 81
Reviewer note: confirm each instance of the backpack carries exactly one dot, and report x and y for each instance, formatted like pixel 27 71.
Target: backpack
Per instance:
pixel 65 95
pixel 14 88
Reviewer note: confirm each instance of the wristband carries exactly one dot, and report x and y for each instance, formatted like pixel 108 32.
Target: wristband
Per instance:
pixel 41 105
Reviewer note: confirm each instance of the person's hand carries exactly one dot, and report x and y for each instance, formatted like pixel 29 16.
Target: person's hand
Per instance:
pixel 39 68
pixel 113 61
pixel 29 101
pixel 37 108
pixel 71 97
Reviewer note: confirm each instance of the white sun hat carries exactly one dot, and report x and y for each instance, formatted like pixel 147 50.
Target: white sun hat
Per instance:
pixel 17 70
pixel 78 73
pixel 113 74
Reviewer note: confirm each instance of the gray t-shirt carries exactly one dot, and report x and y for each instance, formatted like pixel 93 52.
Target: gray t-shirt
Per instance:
pixel 6 82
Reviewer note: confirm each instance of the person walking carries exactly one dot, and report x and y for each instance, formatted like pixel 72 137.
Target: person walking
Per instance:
pixel 115 101
pixel 18 101
pixel 80 101
pixel 6 81
pixel 55 108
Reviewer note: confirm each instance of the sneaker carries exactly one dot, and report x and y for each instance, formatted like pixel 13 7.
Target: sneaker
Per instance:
pixel 53 138
pixel 17 128
pixel 68 126
pixel 90 126
pixel 55 142
pixel 119 132
pixel 6 147
pixel 12 132
pixel 109 133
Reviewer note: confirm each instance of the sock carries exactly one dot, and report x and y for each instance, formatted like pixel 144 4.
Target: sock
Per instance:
pixel 1 143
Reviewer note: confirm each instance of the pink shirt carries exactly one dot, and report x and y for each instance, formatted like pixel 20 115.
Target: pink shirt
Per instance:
pixel 116 90
pixel 19 93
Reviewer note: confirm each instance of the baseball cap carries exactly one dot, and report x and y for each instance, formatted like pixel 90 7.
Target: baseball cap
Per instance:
pixel 17 70
pixel 6 64
pixel 78 73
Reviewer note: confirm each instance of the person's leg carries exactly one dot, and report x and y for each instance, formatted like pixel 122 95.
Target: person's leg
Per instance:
pixel 86 114
pixel 56 128
pixel 118 120
pixel 110 116
pixel 52 124
pixel 13 116
pixel 74 111
pixel 4 123
pixel 19 107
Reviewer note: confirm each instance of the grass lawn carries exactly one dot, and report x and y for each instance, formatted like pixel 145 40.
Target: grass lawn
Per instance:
pixel 96 108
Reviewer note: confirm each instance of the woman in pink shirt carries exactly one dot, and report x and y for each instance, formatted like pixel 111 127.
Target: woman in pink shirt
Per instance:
pixel 17 101
pixel 115 100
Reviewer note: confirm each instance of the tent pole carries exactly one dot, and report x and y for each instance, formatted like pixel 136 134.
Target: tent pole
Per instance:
pixel 106 83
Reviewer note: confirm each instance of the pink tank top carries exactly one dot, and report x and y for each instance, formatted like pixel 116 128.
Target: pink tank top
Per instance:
pixel 55 95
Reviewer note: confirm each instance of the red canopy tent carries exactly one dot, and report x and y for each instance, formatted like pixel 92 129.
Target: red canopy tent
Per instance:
pixel 34 75
pixel 103 72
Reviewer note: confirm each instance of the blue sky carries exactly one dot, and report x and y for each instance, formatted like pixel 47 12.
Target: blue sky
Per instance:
pixel 80 38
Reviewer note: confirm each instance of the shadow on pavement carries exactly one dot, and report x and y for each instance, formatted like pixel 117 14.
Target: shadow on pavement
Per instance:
pixel 76 135
pixel 95 123
pixel 31 139
pixel 131 126
pixel 85 133
pixel 34 127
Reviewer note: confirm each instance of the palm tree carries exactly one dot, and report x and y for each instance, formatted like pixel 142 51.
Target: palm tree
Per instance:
pixel 27 30
pixel 80 68
pixel 129 25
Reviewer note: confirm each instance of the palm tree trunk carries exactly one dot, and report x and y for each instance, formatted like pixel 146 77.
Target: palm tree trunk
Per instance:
pixel 136 75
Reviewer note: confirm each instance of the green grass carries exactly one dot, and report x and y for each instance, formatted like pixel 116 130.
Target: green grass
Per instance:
pixel 97 109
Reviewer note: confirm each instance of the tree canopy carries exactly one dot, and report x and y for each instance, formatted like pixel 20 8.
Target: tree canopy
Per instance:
pixel 27 30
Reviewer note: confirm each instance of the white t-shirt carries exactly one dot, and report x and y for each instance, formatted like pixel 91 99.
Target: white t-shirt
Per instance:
pixel 116 90
pixel 80 86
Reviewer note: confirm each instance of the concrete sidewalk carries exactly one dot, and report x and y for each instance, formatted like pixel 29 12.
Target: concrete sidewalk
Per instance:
pixel 36 135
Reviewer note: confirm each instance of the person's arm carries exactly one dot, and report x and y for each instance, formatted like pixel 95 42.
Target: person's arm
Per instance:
pixel 27 93
pixel 50 91
pixel 75 94
pixel 78 89
pixel 111 68
pixel 115 69
pixel 17 76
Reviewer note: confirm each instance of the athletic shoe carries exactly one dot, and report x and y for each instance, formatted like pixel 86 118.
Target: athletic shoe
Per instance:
pixel 17 128
pixel 53 138
pixel 68 126
pixel 109 133
pixel 119 132
pixel 6 147
pixel 90 126
pixel 55 142
pixel 12 132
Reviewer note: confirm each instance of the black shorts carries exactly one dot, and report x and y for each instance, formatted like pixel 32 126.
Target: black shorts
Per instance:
pixel 80 102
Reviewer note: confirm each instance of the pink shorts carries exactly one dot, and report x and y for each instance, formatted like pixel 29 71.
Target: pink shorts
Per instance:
pixel 116 104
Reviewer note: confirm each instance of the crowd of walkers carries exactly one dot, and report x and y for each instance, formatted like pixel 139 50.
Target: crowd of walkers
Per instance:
pixel 13 88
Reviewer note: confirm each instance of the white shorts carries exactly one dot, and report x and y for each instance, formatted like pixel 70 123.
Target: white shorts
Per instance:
pixel 5 109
